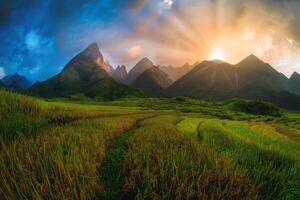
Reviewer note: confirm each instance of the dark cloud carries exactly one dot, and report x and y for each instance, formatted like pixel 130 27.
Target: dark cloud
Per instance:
pixel 39 34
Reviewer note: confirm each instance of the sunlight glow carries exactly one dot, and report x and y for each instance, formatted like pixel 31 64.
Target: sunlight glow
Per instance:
pixel 217 54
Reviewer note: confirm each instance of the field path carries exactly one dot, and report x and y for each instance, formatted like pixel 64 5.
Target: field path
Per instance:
pixel 110 170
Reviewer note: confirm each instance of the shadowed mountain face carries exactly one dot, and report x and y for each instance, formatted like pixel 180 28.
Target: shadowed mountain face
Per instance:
pixel 119 74
pixel 153 81
pixel 209 80
pixel 82 73
pixel 254 73
pixel 176 73
pixel 138 69
pixel 16 82
pixel 250 79
pixel 294 83
pixel 2 86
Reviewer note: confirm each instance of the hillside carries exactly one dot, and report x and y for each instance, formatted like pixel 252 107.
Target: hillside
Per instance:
pixel 152 82
pixel 207 80
pixel 108 89
pixel 84 148
pixel 252 72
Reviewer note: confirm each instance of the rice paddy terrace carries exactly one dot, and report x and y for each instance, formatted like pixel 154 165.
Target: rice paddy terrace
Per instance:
pixel 118 150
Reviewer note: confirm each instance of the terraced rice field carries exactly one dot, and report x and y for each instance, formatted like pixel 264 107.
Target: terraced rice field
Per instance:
pixel 75 151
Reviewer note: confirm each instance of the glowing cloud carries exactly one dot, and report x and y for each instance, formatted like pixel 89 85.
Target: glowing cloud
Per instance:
pixel 217 54
pixel 134 52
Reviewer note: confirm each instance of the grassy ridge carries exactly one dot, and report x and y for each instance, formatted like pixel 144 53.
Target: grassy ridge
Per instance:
pixel 270 159
pixel 67 150
pixel 162 163
pixel 61 163
pixel 25 116
pixel 19 115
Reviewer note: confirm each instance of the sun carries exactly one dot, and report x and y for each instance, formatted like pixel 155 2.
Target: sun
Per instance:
pixel 217 54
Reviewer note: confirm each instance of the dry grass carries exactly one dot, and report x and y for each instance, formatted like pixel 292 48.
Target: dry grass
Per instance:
pixel 62 163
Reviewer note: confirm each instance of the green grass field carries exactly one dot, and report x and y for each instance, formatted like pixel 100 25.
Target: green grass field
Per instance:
pixel 151 148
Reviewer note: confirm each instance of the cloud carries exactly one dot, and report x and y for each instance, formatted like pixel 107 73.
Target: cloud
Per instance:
pixel 32 40
pixel 2 72
pixel 133 52
pixel 48 33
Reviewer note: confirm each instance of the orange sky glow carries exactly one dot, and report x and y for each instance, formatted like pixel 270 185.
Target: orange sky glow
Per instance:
pixel 209 30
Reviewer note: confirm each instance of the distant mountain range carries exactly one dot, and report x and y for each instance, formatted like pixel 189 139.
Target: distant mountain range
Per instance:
pixel 88 74
pixel 249 79
pixel 15 82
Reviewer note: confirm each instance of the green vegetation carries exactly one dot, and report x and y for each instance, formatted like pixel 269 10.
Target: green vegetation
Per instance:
pixel 19 115
pixel 255 107
pixel 162 163
pixel 154 148
pixel 270 159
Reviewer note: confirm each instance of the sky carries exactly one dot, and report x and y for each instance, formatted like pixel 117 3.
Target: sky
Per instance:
pixel 37 38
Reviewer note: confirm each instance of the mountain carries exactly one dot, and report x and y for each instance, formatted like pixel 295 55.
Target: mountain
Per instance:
pixel 119 74
pixel 249 79
pixel 81 74
pixel 294 83
pixel 16 82
pixel 91 55
pixel 138 69
pixel 176 73
pixel 152 82
pixel 252 72
pixel 208 80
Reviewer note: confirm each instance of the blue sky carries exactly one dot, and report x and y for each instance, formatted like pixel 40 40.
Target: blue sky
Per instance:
pixel 38 37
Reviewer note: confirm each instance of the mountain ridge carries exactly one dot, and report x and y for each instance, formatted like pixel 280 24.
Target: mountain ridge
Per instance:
pixel 80 74
pixel 250 79
pixel 16 82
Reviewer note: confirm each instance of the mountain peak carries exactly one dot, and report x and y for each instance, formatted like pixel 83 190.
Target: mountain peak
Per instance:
pixel 93 46
pixel 217 61
pixel 138 69
pixel 253 61
pixel 295 75
pixel 121 68
pixel 93 52
pixel 252 58
pixel 90 55
pixel 146 60
pixel 16 82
